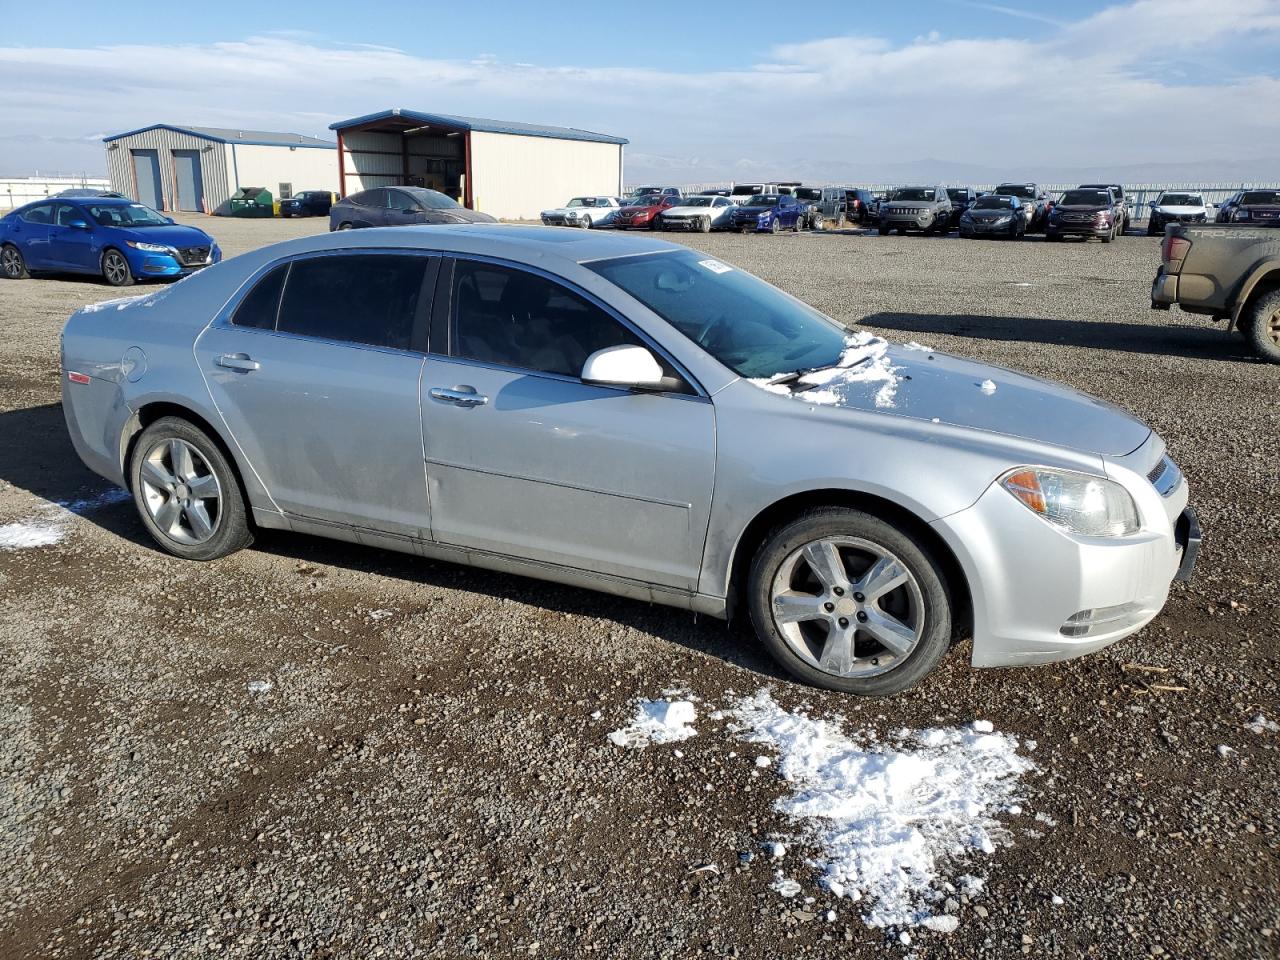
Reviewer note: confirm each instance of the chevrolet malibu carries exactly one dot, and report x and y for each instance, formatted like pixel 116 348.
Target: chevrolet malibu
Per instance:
pixel 639 418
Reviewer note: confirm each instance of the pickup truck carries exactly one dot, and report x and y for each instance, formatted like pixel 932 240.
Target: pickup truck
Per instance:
pixel 1227 272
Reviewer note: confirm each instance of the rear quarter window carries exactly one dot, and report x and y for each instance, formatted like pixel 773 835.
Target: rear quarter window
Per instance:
pixel 259 308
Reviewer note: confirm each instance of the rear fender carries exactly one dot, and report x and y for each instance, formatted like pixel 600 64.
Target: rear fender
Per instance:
pixel 1262 275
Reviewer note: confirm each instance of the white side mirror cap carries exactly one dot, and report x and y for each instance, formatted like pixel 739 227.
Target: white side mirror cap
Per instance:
pixel 624 367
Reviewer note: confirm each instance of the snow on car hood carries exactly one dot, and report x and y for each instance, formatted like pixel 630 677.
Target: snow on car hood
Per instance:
pixel 917 382
pixel 1180 211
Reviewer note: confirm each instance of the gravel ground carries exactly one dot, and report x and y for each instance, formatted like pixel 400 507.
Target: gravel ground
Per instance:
pixel 429 773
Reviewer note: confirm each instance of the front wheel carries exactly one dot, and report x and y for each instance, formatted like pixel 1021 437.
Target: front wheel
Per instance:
pixel 12 264
pixel 847 601
pixel 704 224
pixel 884 231
pixel 1263 326
pixel 116 270
pixel 186 492
pixel 774 226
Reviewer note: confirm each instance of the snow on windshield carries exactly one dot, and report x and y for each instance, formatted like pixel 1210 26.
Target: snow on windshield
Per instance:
pixel 863 364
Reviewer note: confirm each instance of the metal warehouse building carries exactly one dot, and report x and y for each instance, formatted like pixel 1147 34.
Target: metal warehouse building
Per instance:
pixel 199 168
pixel 508 169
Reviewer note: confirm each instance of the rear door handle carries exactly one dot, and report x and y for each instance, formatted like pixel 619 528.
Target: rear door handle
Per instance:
pixel 461 395
pixel 238 361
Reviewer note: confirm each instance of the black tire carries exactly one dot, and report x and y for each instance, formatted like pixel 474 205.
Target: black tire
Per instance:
pixel 13 266
pixel 1151 228
pixel 230 525
pixel 884 231
pixel 743 230
pixel 795 227
pixel 1110 236
pixel 704 224
pixel 1262 327
pixel 115 268
pixel 916 556
pixel 774 226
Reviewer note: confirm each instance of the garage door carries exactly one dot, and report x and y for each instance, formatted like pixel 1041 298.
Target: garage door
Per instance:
pixel 146 174
pixel 186 166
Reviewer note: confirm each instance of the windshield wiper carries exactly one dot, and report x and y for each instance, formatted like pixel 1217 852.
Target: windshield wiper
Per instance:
pixel 793 375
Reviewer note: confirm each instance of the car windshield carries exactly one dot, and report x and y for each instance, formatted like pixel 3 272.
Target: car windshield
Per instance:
pixel 763 200
pixel 1181 200
pixel 747 190
pixel 1016 190
pixel 751 327
pixel 432 199
pixel 582 202
pixel 1261 196
pixel 955 194
pixel 645 191
pixel 1086 198
pixel 125 215
pixel 913 193
pixel 697 202
pixel 993 203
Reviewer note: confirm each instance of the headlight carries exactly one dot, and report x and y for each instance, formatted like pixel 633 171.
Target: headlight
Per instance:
pixel 1077 502
pixel 1242 214
pixel 1005 219
pixel 149 247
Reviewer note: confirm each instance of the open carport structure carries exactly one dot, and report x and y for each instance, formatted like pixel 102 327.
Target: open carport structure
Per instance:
pixel 506 168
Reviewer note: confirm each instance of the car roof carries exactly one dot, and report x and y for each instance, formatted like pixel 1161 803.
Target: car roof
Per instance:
pixel 534 245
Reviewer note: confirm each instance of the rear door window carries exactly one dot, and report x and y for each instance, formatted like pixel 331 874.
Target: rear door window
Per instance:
pixel 259 308
pixel 375 299
pixel 39 214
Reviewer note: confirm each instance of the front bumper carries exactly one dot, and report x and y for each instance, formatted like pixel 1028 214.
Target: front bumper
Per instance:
pixel 1092 228
pixel 908 222
pixel 978 228
pixel 1025 612
pixel 144 264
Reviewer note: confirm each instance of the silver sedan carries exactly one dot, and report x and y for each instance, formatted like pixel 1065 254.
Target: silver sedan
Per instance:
pixel 639 418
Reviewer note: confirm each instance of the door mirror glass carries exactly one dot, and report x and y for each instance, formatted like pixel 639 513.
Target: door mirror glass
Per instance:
pixel 625 366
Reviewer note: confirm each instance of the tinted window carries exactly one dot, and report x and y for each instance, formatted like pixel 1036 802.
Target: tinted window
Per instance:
pixel 518 319
pixel 368 198
pixel 65 213
pixel 403 202
pixel 41 214
pixel 367 298
pixel 259 308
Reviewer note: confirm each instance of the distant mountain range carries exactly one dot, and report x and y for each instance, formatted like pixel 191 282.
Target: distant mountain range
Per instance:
pixel 646 167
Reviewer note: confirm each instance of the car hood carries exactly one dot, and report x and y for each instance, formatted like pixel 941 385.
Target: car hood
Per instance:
pixel 896 204
pixel 632 211
pixel 174 235
pixel 986 214
pixel 692 211
pixel 1081 208
pixel 754 211
pixel 964 393
pixel 1181 211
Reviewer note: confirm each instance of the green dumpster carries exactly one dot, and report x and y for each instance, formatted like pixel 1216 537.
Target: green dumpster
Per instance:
pixel 252 202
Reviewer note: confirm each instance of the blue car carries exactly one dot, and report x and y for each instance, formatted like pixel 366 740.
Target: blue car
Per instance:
pixel 769 213
pixel 114 237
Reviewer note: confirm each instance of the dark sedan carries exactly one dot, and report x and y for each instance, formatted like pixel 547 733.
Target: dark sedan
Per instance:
pixel 400 207
pixel 1259 207
pixel 1086 213
pixel 993 216
pixel 768 213
pixel 308 203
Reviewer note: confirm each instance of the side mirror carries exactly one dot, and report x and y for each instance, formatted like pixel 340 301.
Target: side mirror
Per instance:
pixel 1152 204
pixel 78 225
pixel 168 220
pixel 626 367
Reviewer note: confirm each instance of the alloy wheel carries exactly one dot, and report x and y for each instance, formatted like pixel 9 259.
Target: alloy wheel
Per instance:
pixel 847 606
pixel 181 492
pixel 116 268
pixel 1273 326
pixel 11 262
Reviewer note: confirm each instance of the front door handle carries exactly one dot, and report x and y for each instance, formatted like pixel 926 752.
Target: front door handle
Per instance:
pixel 238 361
pixel 462 395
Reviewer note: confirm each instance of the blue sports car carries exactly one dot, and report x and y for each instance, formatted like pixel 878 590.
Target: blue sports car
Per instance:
pixel 768 212
pixel 117 238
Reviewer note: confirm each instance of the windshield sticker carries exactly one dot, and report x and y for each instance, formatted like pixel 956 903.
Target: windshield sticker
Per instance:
pixel 715 266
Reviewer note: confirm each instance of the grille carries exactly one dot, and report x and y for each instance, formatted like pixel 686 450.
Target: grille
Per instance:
pixel 192 256
pixel 1078 217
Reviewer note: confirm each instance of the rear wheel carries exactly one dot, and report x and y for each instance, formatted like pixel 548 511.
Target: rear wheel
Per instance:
pixel 186 492
pixel 115 269
pixel 12 264
pixel 847 601
pixel 1263 327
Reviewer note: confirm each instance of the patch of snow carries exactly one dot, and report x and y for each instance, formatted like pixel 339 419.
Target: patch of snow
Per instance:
pixel 1260 725
pixel 942 923
pixel 831 916
pixel 912 345
pixel 1225 751
pixel 259 686
pixel 1047 820
pixel 376 615
pixel 23 535
pixel 775 849
pixel 763 762
pixel 119 303
pixel 1056 900
pixel 864 361
pixel 987 386
pixel 982 726
pixel 107 498
pixel 785 885
pixel 890 819
pixel 657 721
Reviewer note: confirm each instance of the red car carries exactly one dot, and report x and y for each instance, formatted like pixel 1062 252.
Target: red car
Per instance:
pixel 643 211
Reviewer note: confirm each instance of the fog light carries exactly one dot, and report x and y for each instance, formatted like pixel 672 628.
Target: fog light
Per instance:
pixel 1096 620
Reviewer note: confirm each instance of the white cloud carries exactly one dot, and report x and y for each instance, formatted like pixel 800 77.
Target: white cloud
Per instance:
pixel 1090 92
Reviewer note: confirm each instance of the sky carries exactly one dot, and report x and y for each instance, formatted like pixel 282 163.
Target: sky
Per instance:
pixel 706 92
